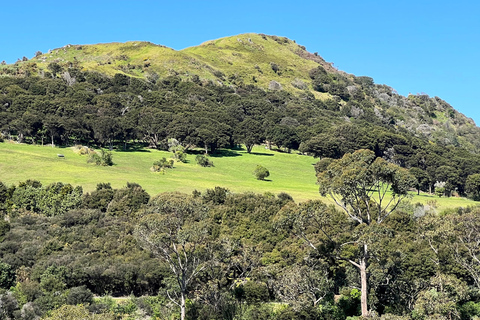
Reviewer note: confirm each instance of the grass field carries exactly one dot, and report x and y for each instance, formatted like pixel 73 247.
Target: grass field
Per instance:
pixel 290 173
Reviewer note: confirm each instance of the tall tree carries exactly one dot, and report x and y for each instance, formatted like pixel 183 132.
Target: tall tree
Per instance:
pixel 368 190
pixel 175 230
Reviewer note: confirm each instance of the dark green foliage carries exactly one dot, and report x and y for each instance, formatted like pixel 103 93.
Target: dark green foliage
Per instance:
pixel 203 161
pixel 252 257
pixel 217 195
pixel 128 200
pixel 79 295
pixel 7 276
pixel 472 186
pixel 255 292
pixel 261 172
pixel 100 198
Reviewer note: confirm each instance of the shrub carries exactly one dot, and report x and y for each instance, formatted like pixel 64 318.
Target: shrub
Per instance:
pixel 216 196
pixel 177 149
pixel 101 158
pixel 203 161
pixel 79 295
pixel 82 150
pixel 261 172
pixel 161 165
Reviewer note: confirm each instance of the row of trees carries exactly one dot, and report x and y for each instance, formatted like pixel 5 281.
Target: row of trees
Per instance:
pixel 218 255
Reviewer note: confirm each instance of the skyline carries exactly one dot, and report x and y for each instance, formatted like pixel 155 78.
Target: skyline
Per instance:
pixel 414 46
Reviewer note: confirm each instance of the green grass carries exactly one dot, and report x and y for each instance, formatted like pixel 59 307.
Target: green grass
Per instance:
pixel 236 56
pixel 290 173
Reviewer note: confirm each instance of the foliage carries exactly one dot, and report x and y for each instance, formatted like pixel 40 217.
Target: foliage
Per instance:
pixel 261 172
pixel 174 230
pixel 161 165
pixel 472 186
pixel 203 161
pixel 101 158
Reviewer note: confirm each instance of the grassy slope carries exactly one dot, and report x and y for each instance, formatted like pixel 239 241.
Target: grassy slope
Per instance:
pixel 236 56
pixel 289 173
pixel 249 55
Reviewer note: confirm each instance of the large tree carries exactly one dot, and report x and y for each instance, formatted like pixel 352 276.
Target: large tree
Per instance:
pixel 175 230
pixel 368 190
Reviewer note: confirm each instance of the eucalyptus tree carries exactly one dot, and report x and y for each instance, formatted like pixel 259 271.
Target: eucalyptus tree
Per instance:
pixel 174 229
pixel 368 190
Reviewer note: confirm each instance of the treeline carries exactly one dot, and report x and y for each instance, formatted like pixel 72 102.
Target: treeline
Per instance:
pixel 252 260
pixel 69 106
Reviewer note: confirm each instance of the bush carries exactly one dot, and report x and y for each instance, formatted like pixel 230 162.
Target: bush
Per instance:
pixel 79 295
pixel 161 165
pixel 203 161
pixel 261 172
pixel 101 158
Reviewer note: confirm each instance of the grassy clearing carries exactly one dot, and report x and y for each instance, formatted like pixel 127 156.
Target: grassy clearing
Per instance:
pixel 290 173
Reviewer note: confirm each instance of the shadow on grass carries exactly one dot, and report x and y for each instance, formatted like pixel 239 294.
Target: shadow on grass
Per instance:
pixel 262 154
pixel 133 149
pixel 225 153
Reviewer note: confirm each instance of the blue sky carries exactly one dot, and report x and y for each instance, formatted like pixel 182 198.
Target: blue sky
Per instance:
pixel 419 46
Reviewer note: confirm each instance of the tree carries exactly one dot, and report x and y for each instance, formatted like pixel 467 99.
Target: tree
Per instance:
pixel 261 172
pixel 174 229
pixel 250 132
pixel 472 186
pixel 368 190
pixel 203 161
pixel 421 177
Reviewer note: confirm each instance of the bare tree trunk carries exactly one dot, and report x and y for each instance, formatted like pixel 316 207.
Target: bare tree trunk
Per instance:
pixel 182 306
pixel 364 283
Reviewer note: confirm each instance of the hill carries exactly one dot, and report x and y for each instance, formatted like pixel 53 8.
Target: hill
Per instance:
pixel 262 61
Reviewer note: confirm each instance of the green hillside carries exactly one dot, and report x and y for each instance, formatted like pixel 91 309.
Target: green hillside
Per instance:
pixel 290 173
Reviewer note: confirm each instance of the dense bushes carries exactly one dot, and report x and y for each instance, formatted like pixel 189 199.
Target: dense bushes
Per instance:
pixel 256 267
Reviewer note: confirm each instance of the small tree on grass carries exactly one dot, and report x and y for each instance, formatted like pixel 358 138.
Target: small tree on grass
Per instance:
pixel 161 165
pixel 261 172
pixel 203 161
pixel 177 149
pixel 100 158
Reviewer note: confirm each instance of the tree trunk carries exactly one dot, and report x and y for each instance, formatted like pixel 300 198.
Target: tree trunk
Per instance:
pixel 182 306
pixel 364 283
pixel 53 145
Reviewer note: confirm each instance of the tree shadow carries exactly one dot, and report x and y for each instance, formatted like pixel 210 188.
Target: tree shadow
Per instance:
pixel 134 148
pixel 262 154
pixel 225 153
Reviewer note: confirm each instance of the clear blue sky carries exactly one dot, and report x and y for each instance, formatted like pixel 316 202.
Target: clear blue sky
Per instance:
pixel 413 46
